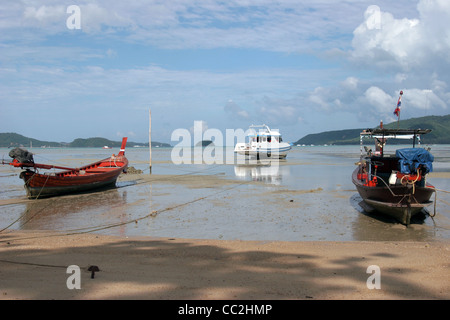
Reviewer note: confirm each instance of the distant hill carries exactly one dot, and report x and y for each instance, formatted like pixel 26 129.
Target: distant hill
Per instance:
pixel 331 137
pixel 100 142
pixel 440 134
pixel 10 140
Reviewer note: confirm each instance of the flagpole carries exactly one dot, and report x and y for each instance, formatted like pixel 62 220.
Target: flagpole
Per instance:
pixel 150 136
pixel 399 111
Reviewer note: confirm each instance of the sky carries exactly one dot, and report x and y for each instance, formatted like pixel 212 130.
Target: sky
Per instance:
pixel 308 66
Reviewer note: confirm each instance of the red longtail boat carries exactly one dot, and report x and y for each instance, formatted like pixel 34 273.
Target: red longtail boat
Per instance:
pixel 100 174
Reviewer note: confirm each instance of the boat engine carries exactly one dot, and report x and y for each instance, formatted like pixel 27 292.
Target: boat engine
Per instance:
pixel 21 155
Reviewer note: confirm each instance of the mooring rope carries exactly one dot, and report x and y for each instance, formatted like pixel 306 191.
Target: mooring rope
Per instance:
pixel 113 225
pixel 26 211
pixel 153 213
pixel 143 182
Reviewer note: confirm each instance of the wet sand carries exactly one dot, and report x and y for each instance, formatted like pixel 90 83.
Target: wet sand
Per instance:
pixel 34 262
pixel 33 265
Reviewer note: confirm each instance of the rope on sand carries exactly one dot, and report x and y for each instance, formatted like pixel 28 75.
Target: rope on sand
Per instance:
pixel 152 214
pixel 138 183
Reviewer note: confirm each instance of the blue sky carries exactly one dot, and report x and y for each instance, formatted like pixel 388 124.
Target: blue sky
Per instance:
pixel 299 66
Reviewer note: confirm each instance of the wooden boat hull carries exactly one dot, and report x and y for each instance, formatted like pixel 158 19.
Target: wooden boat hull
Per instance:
pixel 98 175
pixel 400 212
pixel 398 201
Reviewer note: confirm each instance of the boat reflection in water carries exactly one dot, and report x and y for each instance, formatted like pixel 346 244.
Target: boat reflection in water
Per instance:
pixel 264 171
pixel 83 210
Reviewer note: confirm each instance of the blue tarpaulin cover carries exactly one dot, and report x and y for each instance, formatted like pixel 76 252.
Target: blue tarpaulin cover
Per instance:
pixel 412 158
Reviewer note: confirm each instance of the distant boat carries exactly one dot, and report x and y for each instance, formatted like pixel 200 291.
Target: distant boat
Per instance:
pixel 263 143
pixel 394 185
pixel 106 147
pixel 101 174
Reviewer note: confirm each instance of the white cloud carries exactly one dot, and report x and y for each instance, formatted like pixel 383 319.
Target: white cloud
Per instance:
pixel 424 99
pixel 389 46
pixel 405 44
pixel 278 115
pixel 235 111
pixel 48 14
pixel 278 112
pixel 319 97
pixel 284 25
pixel 178 96
pixel 351 83
pixel 398 53
pixel 378 100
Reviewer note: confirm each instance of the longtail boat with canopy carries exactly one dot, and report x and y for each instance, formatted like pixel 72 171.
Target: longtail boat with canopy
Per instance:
pixel 394 184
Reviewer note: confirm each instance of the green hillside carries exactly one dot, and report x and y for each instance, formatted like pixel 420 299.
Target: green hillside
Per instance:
pixel 440 126
pixel 10 140
pixel 94 143
pixel 331 137
pixel 440 134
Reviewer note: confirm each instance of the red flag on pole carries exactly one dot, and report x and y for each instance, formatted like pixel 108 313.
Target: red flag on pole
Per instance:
pixel 399 103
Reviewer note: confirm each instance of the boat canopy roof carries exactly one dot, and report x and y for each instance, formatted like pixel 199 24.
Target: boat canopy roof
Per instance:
pixel 394 133
pixel 262 132
pixel 384 134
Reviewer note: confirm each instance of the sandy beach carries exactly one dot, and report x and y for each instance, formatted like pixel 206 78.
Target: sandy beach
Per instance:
pixel 34 266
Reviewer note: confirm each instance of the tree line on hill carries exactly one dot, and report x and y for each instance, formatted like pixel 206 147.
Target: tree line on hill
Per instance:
pixel 440 134
pixel 12 140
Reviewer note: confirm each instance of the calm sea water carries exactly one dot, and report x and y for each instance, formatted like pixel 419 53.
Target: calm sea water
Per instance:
pixel 308 197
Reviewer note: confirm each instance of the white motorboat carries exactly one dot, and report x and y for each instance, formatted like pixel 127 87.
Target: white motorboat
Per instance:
pixel 263 143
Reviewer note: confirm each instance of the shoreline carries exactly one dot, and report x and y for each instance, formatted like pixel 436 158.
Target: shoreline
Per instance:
pixel 33 265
